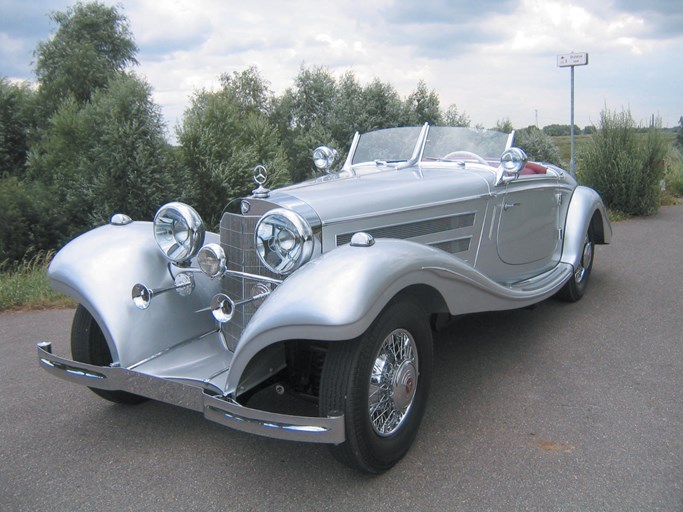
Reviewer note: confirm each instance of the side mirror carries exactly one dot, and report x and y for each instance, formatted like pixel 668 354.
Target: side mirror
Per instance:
pixel 512 162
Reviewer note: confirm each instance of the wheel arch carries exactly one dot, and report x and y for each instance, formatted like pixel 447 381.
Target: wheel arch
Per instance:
pixel 586 209
pixel 99 268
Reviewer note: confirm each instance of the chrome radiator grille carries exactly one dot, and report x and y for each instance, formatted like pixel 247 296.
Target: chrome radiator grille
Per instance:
pixel 237 240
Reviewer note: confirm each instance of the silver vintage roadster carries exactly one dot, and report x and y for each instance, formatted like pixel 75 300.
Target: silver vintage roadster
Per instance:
pixel 330 288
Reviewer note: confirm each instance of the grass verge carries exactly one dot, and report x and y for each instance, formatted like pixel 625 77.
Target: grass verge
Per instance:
pixel 26 287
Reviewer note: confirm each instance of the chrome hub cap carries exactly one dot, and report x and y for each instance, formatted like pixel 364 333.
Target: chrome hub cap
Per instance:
pixel 586 259
pixel 393 382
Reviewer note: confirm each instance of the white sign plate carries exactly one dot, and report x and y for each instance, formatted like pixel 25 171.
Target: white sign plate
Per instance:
pixel 572 59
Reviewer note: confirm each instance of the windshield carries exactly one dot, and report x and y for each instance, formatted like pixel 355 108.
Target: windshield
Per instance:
pixel 393 145
pixel 389 145
pixel 444 140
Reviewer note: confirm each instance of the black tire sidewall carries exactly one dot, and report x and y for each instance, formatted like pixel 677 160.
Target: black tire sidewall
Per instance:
pixel 88 345
pixel 377 452
pixel 573 291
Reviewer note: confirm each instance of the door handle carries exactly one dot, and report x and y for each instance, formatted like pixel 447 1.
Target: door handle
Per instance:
pixel 507 206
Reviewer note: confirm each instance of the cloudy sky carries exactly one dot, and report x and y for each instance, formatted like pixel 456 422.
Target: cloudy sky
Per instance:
pixel 495 59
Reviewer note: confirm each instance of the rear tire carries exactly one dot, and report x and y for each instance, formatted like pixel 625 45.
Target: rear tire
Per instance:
pixel 88 345
pixel 574 289
pixel 380 382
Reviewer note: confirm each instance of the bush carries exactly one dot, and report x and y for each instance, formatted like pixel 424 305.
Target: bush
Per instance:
pixel 625 167
pixel 538 146
pixel 29 224
pixel 673 176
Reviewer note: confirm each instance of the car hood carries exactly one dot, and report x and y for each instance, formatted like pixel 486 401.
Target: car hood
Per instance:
pixel 336 198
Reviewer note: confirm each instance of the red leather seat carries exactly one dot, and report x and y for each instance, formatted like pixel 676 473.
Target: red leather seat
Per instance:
pixel 534 168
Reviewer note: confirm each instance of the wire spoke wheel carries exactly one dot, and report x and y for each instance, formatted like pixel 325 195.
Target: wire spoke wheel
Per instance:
pixel 380 383
pixel 393 382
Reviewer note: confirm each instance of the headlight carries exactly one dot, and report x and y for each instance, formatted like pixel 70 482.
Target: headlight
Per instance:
pixel 284 241
pixel 324 158
pixel 211 259
pixel 179 231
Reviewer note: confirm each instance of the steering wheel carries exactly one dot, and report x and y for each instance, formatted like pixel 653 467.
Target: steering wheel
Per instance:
pixel 466 155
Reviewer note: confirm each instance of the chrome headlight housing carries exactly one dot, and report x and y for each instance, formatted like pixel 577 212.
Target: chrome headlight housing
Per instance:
pixel 283 240
pixel 324 158
pixel 179 232
pixel 212 260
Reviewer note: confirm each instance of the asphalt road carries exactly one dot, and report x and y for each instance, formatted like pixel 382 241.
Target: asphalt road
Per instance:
pixel 560 408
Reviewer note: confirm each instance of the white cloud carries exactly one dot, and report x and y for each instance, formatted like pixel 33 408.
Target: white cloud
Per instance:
pixel 493 59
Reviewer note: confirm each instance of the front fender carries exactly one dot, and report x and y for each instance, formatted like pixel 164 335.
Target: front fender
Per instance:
pixel 584 204
pixel 337 296
pixel 99 269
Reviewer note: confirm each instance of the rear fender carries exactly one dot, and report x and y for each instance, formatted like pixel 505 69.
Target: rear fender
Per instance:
pixel 585 203
pixel 99 269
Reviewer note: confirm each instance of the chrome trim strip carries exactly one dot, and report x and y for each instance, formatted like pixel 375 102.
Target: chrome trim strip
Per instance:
pixel 406 209
pixel 269 424
pixel 219 409
pixel 416 228
pixel 115 379
pixel 253 277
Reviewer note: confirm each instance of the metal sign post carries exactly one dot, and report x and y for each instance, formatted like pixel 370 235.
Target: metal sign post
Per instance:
pixel 571 60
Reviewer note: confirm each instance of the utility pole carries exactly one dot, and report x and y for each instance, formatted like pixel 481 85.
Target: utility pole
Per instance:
pixel 571 60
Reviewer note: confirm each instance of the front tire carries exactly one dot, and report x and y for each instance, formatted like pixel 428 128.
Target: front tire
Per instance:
pixel 88 345
pixel 380 382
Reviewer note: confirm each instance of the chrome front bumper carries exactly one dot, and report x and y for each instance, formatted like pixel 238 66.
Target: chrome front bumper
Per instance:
pixel 219 409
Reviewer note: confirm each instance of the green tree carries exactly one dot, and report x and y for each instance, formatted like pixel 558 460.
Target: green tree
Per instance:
pixel 504 125
pixel 16 121
pixel 558 130
pixel 383 105
pixel 422 106
pixel 305 118
pixel 538 146
pixel 92 44
pixel 223 136
pixel 105 157
pixel 348 114
pixel 679 133
pixel 249 90
pixel 453 117
pixel 27 220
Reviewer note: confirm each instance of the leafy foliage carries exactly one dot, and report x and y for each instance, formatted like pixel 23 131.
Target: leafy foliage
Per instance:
pixel 224 134
pixel 559 130
pixel 108 156
pixel 673 175
pixel 93 44
pixel 504 125
pixel 27 219
pixel 626 168
pixel 16 120
pixel 453 117
pixel 537 145
pixel 422 106
pixel 320 109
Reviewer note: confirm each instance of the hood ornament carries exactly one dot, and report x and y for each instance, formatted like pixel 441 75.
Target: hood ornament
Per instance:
pixel 260 176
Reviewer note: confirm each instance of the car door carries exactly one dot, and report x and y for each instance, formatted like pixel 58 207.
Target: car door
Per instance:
pixel 528 236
